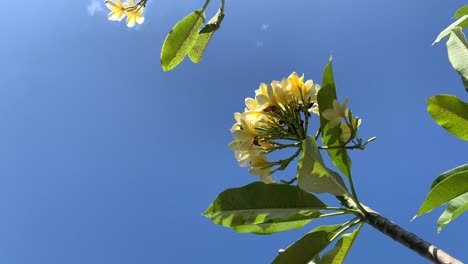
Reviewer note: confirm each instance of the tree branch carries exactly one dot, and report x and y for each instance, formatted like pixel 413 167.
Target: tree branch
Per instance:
pixel 402 236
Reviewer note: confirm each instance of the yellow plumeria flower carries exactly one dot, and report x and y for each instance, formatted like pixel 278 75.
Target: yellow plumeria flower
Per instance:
pixel 249 121
pixel 281 94
pixel 303 90
pixel 274 94
pixel 251 105
pixel 263 96
pixel 334 115
pixel 245 158
pixel 262 168
pixel 268 94
pixel 347 129
pixel 296 83
pixel 245 130
pixel 117 10
pixel 134 14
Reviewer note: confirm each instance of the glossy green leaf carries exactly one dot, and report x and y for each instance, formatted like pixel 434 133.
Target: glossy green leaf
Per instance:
pixel 451 187
pixel 264 208
pixel 454 208
pixel 462 22
pixel 204 37
pixel 450 113
pixel 461 12
pixel 458 54
pixel 313 175
pixel 181 40
pixel 331 136
pixel 338 254
pixel 308 246
pixel 449 173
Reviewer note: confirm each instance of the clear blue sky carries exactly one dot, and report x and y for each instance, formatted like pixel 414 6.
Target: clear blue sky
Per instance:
pixel 104 158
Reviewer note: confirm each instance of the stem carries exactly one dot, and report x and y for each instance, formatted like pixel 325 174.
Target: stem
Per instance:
pixel 332 214
pixel 290 181
pixel 353 192
pixel 137 6
pixel 347 226
pixel 284 163
pixel 341 147
pixel 205 5
pixel 222 7
pixel 318 133
pixel 306 117
pixel 283 138
pixel 282 146
pixel 350 211
pixel 400 235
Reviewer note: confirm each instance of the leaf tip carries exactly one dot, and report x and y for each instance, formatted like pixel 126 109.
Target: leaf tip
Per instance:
pixel 165 69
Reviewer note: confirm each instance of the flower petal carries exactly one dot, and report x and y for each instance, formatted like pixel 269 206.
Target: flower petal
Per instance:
pixel 130 20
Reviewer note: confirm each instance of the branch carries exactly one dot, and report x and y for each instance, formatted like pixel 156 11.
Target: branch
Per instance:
pixel 402 236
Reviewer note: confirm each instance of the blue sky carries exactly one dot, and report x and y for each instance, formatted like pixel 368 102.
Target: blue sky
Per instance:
pixel 104 158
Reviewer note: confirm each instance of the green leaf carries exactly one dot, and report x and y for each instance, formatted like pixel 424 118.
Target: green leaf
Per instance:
pixel 264 208
pixel 204 37
pixel 331 136
pixel 449 173
pixel 181 39
pixel 457 49
pixel 462 22
pixel 341 249
pixel 339 157
pixel 454 208
pixel 327 93
pixel 461 12
pixel 313 175
pixel 449 188
pixel 450 113
pixel 308 246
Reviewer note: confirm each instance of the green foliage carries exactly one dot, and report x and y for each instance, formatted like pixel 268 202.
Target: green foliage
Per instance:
pixel 458 54
pixel 454 208
pixel 308 246
pixel 204 37
pixel 327 93
pixel 451 113
pixel 448 186
pixel 313 175
pixel 331 136
pixel 181 39
pixel 449 173
pixel 337 254
pixel 264 208
pixel 461 12
pixel 339 156
pixel 461 22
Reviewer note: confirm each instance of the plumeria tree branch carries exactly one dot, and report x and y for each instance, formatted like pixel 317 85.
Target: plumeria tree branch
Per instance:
pixel 402 236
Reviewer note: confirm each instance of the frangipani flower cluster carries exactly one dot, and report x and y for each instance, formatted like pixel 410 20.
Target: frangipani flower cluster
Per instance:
pixel 274 116
pixel 119 10
pixel 277 116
